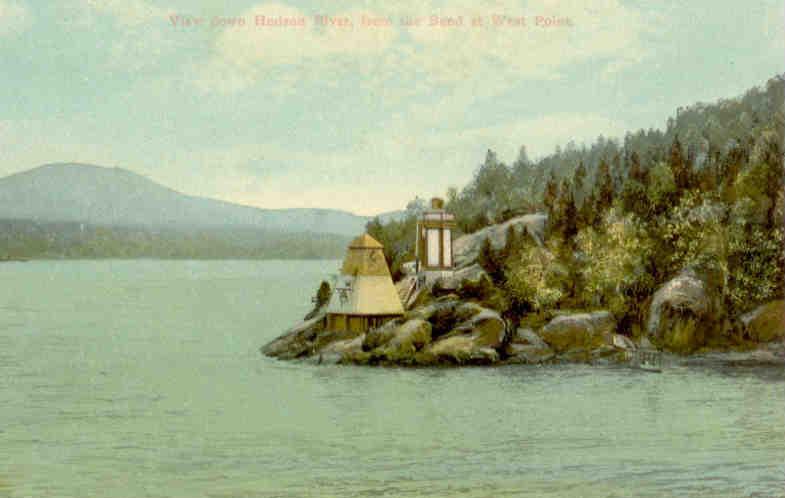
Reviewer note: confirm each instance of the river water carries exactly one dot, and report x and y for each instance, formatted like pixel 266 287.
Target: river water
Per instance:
pixel 143 378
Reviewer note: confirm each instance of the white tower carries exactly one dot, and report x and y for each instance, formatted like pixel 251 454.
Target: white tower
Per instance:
pixel 434 243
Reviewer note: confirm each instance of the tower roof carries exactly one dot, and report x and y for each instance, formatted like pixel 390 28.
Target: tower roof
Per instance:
pixel 365 241
pixel 364 286
pixel 365 257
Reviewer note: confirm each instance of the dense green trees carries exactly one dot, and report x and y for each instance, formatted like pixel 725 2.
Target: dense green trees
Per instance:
pixel 625 216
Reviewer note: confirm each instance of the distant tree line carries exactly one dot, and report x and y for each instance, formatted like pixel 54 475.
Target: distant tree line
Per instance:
pixel 25 239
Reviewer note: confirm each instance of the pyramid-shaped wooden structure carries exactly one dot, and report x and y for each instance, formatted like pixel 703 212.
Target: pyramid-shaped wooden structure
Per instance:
pixel 364 296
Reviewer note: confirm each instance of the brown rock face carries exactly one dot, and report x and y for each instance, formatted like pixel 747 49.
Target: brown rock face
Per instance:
pixel 582 331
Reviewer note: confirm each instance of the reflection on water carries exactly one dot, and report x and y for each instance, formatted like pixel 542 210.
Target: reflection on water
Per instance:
pixel 143 378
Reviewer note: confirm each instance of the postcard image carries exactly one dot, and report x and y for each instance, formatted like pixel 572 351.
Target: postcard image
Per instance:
pixel 465 249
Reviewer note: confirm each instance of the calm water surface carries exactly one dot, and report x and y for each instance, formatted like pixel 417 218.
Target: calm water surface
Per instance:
pixel 143 378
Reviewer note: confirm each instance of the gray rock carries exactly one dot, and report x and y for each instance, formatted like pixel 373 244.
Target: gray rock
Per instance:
pixel 581 331
pixel 460 350
pixel 381 335
pixel 487 329
pixel 466 249
pixel 405 341
pixel 528 336
pixel 341 347
pixel 472 273
pixel 445 314
pixel 681 313
pixel 476 340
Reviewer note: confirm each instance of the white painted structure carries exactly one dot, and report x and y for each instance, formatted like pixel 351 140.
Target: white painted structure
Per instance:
pixel 433 250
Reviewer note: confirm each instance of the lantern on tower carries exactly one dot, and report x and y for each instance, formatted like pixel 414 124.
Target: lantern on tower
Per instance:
pixel 434 243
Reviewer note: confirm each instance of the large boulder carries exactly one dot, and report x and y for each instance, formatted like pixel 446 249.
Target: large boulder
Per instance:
pixel 579 332
pixel 381 335
pixel 475 340
pixel 466 249
pixel 472 275
pixel 298 341
pixel 459 350
pixel 445 314
pixel 486 328
pixel 527 336
pixel 338 351
pixel 682 313
pixel 398 342
pixel 765 323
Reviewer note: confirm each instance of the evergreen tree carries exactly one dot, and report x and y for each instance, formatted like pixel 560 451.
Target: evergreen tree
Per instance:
pixel 567 213
pixel 578 178
pixel 679 166
pixel 616 172
pixel 323 294
pixel 772 158
pixel 512 245
pixel 489 260
pixel 587 215
pixel 605 187
pixel 551 194
pixel 637 172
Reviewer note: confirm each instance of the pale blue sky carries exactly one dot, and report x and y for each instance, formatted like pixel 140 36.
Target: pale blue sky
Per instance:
pixel 354 118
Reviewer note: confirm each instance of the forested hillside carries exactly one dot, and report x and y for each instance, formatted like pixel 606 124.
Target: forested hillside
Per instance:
pixel 705 193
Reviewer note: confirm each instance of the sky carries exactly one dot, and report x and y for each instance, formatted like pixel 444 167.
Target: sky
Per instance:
pixel 355 115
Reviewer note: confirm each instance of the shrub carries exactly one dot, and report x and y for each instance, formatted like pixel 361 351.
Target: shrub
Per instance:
pixel 535 279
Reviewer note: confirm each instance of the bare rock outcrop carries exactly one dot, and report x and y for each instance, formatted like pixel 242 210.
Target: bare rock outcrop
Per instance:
pixel 466 249
pixel 473 273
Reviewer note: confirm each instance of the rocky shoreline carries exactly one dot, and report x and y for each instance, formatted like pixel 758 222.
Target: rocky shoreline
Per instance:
pixel 449 331
pixel 448 325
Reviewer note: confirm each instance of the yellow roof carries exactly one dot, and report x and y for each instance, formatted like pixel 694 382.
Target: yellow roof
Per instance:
pixel 365 295
pixel 365 257
pixel 364 286
pixel 365 241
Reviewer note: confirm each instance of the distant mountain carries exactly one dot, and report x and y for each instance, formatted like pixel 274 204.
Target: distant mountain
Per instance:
pixel 96 195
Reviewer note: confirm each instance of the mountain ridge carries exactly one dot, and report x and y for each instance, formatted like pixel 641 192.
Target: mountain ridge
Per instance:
pixel 99 195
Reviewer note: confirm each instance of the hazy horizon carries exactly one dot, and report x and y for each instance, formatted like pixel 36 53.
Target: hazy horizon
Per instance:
pixel 359 118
